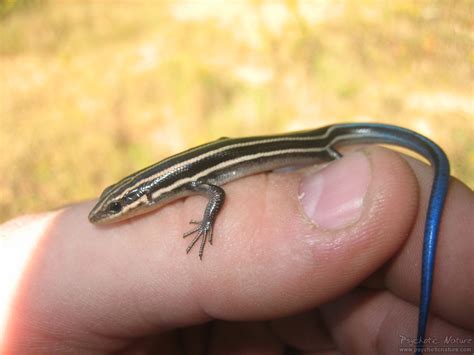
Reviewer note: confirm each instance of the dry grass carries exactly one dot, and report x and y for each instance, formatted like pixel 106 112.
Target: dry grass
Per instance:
pixel 92 91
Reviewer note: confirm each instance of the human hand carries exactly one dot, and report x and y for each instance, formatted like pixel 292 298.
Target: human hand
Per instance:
pixel 272 280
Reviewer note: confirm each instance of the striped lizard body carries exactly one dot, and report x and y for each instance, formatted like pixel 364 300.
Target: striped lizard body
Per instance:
pixel 203 169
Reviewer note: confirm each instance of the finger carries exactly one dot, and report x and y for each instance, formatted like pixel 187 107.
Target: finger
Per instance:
pixel 453 290
pixel 287 256
pixel 374 322
pixel 282 245
pixel 305 331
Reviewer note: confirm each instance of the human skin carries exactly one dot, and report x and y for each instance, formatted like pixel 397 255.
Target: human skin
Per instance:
pixel 281 274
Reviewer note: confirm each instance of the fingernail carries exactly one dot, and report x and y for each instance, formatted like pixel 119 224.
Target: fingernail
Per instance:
pixel 333 197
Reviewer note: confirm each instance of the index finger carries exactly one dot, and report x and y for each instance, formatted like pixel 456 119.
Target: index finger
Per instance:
pixel 453 293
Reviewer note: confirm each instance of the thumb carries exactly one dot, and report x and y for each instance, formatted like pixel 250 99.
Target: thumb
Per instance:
pixel 283 243
pixel 306 237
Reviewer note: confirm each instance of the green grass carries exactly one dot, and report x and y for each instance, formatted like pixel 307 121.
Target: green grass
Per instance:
pixel 92 91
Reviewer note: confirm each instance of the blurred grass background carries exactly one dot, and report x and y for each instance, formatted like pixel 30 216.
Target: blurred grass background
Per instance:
pixel 91 91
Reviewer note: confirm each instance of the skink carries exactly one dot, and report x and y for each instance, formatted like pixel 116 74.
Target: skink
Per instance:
pixel 203 169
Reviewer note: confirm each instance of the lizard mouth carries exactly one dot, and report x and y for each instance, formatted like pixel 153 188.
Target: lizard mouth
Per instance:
pixel 96 215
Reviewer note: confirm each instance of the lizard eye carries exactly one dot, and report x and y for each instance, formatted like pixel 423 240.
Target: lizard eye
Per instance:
pixel 114 208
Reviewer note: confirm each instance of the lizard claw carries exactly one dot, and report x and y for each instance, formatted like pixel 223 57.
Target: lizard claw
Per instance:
pixel 203 232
